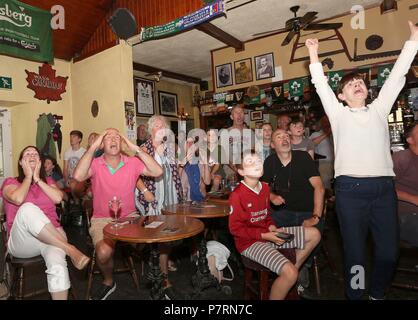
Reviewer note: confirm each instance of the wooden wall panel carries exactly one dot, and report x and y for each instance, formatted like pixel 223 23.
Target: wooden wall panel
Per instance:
pixel 146 12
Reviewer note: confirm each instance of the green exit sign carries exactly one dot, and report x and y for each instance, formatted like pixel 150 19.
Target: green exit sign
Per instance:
pixel 5 83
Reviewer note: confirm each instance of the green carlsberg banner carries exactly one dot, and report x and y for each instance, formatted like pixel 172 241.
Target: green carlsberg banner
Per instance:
pixel 25 31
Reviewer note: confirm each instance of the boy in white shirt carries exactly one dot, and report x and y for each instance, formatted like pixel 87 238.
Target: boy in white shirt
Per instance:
pixel 365 195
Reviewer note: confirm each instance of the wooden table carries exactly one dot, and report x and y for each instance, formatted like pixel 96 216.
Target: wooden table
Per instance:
pixel 174 227
pixel 219 197
pixel 203 210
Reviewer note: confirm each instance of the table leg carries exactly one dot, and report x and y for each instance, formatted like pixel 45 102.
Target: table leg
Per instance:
pixel 155 274
pixel 203 279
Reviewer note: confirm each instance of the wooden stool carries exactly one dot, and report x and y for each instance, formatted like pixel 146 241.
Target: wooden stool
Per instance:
pixel 260 285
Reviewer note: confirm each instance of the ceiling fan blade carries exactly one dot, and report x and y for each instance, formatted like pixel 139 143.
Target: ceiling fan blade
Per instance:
pixel 271 31
pixel 323 26
pixel 308 17
pixel 289 37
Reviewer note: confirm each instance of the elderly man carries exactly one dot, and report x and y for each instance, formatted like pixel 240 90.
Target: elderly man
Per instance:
pixel 112 175
pixel 283 122
pixel 141 135
pixel 297 192
pixel 405 165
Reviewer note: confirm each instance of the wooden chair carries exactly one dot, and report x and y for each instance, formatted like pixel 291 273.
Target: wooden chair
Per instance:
pixel 128 252
pixel 20 268
pixel 257 282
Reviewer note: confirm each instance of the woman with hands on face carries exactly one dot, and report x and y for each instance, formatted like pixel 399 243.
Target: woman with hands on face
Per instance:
pixel 33 225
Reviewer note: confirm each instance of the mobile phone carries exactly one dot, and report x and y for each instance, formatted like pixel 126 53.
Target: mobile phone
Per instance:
pixel 285 236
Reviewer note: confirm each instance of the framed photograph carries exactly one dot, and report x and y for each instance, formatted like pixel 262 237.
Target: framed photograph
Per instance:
pixel 256 115
pixel 144 97
pixel 224 75
pixel 243 71
pixel 168 103
pixel 264 66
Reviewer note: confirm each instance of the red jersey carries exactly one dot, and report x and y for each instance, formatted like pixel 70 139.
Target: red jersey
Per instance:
pixel 250 215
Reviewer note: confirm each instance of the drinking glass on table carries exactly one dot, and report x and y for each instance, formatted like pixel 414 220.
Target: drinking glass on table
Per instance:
pixel 115 206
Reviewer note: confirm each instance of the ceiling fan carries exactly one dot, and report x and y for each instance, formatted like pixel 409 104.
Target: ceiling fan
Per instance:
pixel 296 24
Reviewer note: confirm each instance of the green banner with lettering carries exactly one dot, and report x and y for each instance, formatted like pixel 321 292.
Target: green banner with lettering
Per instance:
pixel 204 14
pixel 25 31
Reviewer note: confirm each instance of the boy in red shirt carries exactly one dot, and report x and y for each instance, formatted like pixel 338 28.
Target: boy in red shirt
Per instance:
pixel 255 233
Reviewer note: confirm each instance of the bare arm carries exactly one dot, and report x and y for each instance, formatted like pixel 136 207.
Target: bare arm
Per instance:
pixel 319 139
pixel 312 154
pixel 65 172
pixel 147 194
pixel 52 191
pixel 319 193
pixel 82 172
pixel 205 173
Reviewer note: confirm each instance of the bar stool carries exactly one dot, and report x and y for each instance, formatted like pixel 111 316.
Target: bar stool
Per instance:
pixel 259 286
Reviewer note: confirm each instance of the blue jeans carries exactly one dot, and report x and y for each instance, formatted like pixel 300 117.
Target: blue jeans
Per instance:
pixel 289 218
pixel 365 204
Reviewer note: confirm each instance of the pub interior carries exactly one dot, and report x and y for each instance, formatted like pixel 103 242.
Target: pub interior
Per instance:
pixel 209 150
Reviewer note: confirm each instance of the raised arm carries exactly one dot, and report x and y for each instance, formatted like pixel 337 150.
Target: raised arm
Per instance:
pixel 17 194
pixel 396 80
pixel 152 168
pixel 325 93
pixel 82 172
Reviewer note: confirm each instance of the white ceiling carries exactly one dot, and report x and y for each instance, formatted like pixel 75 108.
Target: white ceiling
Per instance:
pixel 189 52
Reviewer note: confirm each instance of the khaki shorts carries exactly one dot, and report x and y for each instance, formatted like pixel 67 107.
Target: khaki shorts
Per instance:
pixel 97 225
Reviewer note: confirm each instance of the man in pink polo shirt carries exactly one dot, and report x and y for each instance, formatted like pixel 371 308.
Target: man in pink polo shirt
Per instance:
pixel 112 175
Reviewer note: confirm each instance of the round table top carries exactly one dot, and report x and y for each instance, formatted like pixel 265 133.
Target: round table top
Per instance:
pixel 172 228
pixel 219 197
pixel 207 209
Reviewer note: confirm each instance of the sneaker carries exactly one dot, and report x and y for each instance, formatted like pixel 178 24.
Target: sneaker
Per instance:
pixel 303 277
pixel 104 292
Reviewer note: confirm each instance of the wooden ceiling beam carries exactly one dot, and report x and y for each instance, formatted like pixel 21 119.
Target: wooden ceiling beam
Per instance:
pixel 167 74
pixel 217 33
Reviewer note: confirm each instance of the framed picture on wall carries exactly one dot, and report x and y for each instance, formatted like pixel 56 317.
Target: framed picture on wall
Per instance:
pixel 168 103
pixel 243 71
pixel 144 97
pixel 264 66
pixel 223 75
pixel 256 115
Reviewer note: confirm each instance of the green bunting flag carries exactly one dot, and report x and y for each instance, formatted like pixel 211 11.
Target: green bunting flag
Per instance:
pixel 383 73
